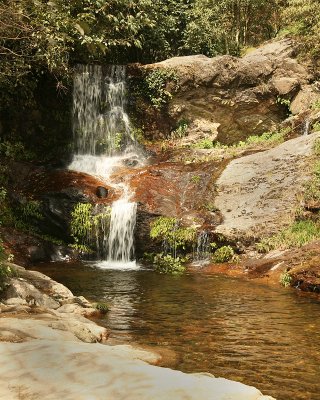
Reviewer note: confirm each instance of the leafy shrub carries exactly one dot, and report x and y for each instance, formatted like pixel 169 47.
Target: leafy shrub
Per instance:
pixel 316 146
pixel 170 233
pixel 223 254
pixel 81 225
pixel 156 86
pixel 166 264
pixel 15 151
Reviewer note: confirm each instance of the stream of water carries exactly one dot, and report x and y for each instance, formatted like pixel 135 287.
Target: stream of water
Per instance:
pixel 255 334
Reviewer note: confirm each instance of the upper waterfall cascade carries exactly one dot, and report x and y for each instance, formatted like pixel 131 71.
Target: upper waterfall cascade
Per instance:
pixel 100 122
pixel 103 142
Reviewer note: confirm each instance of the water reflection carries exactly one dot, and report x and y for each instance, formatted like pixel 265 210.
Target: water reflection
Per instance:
pixel 232 328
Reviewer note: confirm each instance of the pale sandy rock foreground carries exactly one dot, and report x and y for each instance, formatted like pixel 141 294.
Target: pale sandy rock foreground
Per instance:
pixel 50 353
pixel 58 366
pixel 259 194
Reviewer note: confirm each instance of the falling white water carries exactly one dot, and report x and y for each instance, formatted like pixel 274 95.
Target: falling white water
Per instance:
pixel 102 143
pixel 100 122
pixel 306 127
pixel 203 248
pixel 122 224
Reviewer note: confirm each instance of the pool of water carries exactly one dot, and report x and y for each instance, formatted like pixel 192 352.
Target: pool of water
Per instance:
pixel 233 328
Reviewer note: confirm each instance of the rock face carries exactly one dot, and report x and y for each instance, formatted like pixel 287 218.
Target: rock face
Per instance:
pixel 234 98
pixel 257 194
pixel 175 190
pixel 34 293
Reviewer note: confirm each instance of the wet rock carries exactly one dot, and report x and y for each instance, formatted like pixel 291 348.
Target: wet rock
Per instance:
pixel 57 209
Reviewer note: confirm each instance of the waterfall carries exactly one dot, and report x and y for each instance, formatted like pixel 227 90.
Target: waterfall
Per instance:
pixel 122 224
pixel 103 142
pixel 306 127
pixel 203 247
pixel 100 123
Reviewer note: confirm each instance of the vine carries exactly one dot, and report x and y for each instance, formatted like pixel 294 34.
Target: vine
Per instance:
pixel 157 82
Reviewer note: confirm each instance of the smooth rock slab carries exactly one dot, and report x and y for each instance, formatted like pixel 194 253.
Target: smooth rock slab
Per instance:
pixel 258 194
pixel 51 370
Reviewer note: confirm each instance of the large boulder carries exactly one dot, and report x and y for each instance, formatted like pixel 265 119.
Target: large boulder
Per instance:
pixel 232 97
pixel 257 194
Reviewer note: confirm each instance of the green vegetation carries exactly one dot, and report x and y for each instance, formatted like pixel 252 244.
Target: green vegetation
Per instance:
pixel 166 264
pixel 316 127
pixel 206 144
pixel 286 279
pixel 5 274
pixel 103 308
pixel 295 235
pixel 316 105
pixel 15 151
pixel 302 19
pixel 227 26
pixel 5 271
pixel 312 188
pixel 84 224
pixel 159 85
pixel 174 239
pixel 81 225
pixel 223 254
pixel 171 234
pixel 180 130
pixel 286 103
pixel 196 179
pixel 267 139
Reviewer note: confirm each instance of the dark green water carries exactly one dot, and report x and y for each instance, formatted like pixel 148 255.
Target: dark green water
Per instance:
pixel 229 327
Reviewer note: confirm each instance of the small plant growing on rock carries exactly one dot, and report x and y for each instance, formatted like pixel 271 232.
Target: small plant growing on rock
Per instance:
pixel 181 129
pixel 316 127
pixel 196 179
pixel 103 308
pixel 286 279
pixel 223 254
pixel 204 144
pixel 81 223
pixel 286 103
pixel 84 226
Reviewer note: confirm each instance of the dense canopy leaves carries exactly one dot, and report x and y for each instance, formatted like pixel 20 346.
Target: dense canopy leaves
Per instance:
pixel 38 34
pixel 38 37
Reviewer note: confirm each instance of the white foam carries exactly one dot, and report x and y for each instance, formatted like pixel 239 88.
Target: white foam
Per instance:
pixel 117 265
